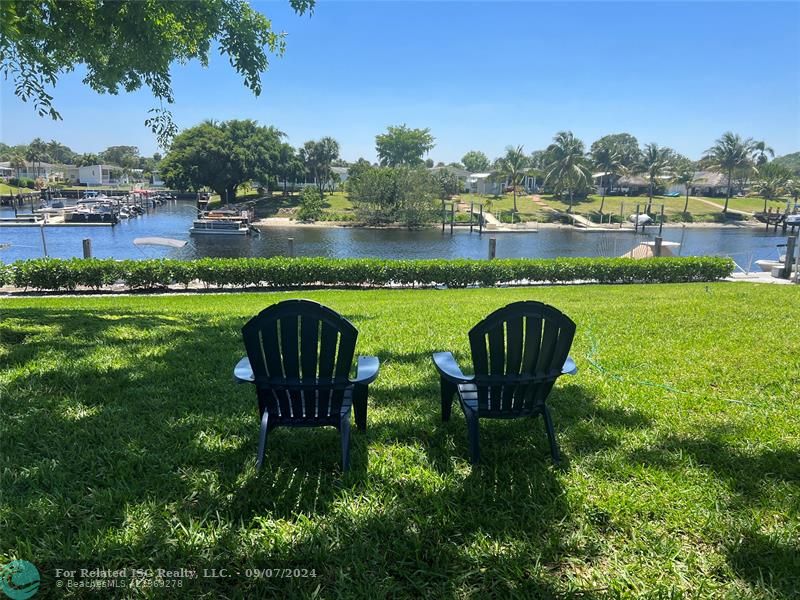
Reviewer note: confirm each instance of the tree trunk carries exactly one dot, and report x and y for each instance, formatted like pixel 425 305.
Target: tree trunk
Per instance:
pixel 230 194
pixel 727 194
pixel 650 200
pixel 515 198
pixel 765 204
pixel 569 210
pixel 602 195
pixel 686 204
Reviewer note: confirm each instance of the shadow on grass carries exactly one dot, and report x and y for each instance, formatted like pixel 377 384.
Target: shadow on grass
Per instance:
pixel 754 477
pixel 269 207
pixel 766 562
pixel 124 442
pixel 745 472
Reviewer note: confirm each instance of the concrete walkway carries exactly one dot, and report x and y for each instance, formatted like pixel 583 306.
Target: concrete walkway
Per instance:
pixel 759 277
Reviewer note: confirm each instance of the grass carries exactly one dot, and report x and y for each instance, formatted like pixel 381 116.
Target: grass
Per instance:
pixel 124 443
pixel 528 210
pixel 699 209
pixel 12 190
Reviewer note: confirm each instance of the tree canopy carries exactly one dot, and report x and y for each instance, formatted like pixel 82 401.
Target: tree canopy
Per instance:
pixel 124 156
pixel 221 156
pixel 403 146
pixel 128 44
pixel 790 161
pixel 475 161
pixel 624 145
pixel 318 157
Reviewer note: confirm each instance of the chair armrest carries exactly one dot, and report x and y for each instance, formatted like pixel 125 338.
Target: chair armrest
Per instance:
pixel 448 368
pixel 243 372
pixel 366 370
pixel 569 368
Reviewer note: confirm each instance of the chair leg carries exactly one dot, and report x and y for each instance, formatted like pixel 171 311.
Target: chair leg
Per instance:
pixel 473 435
pixel 551 435
pixel 360 393
pixel 344 432
pixel 262 439
pixel 448 390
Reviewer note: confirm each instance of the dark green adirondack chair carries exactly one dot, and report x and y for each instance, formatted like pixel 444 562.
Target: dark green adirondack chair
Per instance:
pixel 299 356
pixel 518 352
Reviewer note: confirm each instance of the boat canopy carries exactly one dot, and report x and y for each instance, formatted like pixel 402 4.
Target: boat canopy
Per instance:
pixel 159 241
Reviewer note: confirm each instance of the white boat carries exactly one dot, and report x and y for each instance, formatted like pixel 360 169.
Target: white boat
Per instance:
pixel 219 227
pixel 643 219
pixel 793 220
pixel 768 265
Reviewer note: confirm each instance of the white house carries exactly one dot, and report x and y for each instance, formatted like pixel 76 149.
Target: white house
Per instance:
pixel 101 175
pixel 482 183
pixel 31 170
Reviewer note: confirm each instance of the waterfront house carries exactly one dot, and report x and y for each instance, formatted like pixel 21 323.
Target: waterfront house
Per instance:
pixel 484 183
pixel 101 175
pixel 31 170
pixel 709 183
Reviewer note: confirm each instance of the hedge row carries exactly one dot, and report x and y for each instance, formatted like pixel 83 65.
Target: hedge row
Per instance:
pixel 57 274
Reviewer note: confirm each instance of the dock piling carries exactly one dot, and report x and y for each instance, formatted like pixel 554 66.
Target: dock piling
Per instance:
pixel 87 248
pixel 791 241
pixel 492 248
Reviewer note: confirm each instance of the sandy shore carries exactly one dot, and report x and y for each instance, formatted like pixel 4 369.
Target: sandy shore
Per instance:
pixel 528 227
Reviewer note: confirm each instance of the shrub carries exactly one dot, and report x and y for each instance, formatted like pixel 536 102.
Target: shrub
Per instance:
pixel 281 272
pixel 311 204
pixel 22 182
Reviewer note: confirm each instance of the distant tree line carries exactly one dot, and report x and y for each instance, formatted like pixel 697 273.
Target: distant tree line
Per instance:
pixel 38 151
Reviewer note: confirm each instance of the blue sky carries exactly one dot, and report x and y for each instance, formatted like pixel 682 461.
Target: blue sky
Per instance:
pixel 481 76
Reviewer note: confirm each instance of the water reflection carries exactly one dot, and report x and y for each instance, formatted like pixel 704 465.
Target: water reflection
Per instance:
pixel 174 220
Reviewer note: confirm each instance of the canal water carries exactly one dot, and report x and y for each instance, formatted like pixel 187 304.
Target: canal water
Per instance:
pixel 174 219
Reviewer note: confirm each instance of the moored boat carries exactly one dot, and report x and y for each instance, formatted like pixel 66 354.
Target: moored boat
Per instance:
pixel 219 227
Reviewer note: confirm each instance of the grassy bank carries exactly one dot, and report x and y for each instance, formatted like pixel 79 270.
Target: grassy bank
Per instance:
pixel 700 209
pixel 13 190
pixel 124 443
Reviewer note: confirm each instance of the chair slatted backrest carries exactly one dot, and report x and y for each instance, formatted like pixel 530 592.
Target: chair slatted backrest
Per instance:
pixel 301 354
pixel 518 352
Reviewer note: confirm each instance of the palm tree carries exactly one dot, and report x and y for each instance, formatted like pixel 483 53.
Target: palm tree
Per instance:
pixel 37 152
pixel 684 175
pixel 567 167
pixel 654 162
pixel 87 159
pixel 17 162
pixel 728 154
pixel 792 188
pixel 760 151
pixel 287 165
pixel 512 166
pixel 772 179
pixel 607 161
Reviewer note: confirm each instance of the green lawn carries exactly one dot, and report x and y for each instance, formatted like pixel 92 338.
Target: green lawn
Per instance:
pixel 12 190
pixel 699 208
pixel 124 443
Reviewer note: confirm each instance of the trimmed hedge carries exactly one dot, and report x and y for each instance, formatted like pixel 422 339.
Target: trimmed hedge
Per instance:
pixel 64 275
